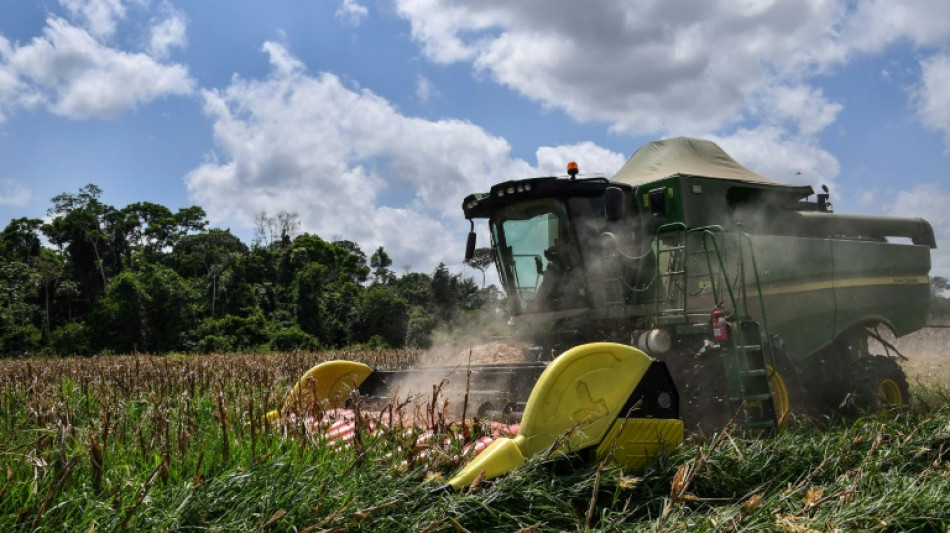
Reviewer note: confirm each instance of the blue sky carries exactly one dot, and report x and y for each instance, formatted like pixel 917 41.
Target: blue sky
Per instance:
pixel 372 119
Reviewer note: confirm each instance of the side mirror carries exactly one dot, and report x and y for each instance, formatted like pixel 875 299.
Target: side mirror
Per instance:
pixel 824 205
pixel 470 246
pixel 613 204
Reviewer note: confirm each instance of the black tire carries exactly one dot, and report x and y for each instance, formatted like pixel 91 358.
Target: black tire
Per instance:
pixel 880 386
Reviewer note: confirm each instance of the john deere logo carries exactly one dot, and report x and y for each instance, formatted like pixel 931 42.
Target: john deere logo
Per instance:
pixel 904 281
pixel 590 409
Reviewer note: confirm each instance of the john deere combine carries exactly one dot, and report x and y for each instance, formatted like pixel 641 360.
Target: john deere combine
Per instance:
pixel 686 290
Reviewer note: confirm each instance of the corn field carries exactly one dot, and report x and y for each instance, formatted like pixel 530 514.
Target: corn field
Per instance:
pixel 133 443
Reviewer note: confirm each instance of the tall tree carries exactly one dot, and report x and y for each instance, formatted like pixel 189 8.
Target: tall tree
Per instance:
pixel 79 225
pixel 939 304
pixel 49 270
pixel 209 254
pixel 280 229
pixel 382 313
pixel 20 240
pixel 416 289
pixel 481 260
pixel 380 263
pixel 121 314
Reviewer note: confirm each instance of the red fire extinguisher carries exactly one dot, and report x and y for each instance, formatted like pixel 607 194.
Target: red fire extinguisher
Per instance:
pixel 720 330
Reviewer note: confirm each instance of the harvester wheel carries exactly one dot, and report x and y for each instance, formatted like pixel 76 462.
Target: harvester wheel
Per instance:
pixel 783 405
pixel 880 385
pixel 787 393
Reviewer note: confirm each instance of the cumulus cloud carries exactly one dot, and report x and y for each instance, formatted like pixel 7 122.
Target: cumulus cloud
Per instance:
pixel 349 163
pixel 929 201
pixel 933 94
pixel 673 66
pixel 640 66
pixel 425 90
pixel 167 34
pixel 770 151
pixel 875 24
pixel 75 75
pixel 100 17
pixel 13 193
pixel 352 11
pixel 13 92
pixel 799 108
pixel 590 158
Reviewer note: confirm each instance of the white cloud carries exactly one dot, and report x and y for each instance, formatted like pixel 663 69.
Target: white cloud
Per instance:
pixel 801 108
pixel 13 193
pixel 933 94
pixel 100 17
pixel 590 158
pixel 283 62
pixel 350 164
pixel 425 90
pixel 770 151
pixel 676 66
pixel 929 201
pixel 76 76
pixel 650 66
pixel 352 11
pixel 875 24
pixel 11 88
pixel 168 34
pixel 867 196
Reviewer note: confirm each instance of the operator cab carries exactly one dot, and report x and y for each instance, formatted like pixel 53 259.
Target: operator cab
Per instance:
pixel 546 233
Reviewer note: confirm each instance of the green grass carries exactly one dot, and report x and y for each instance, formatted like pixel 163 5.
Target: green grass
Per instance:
pixel 140 444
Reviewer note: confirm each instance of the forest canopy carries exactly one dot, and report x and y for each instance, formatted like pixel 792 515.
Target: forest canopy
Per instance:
pixel 143 278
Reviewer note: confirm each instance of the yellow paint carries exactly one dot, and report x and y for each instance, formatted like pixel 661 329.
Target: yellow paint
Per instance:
pixel 326 385
pixel 584 388
pixel 847 284
pixel 780 396
pixel 500 457
pixel 634 442
pixel 889 395
pixel 573 406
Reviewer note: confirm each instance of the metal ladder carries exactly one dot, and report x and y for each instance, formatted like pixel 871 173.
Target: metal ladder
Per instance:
pixel 750 379
pixel 748 376
pixel 748 364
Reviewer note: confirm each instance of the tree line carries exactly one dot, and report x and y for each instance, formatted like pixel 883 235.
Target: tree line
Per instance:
pixel 143 278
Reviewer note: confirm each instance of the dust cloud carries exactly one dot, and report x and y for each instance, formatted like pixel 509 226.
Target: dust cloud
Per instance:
pixel 928 354
pixel 447 383
pixel 487 353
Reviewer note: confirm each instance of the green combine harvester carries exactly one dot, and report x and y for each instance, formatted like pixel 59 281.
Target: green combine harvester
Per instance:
pixel 683 292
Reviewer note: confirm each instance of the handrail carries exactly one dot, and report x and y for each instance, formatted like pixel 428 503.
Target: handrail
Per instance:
pixel 710 244
pixel 663 228
pixel 758 289
pixel 707 232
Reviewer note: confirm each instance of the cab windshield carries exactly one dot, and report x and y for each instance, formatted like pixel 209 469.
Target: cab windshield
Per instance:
pixel 538 259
